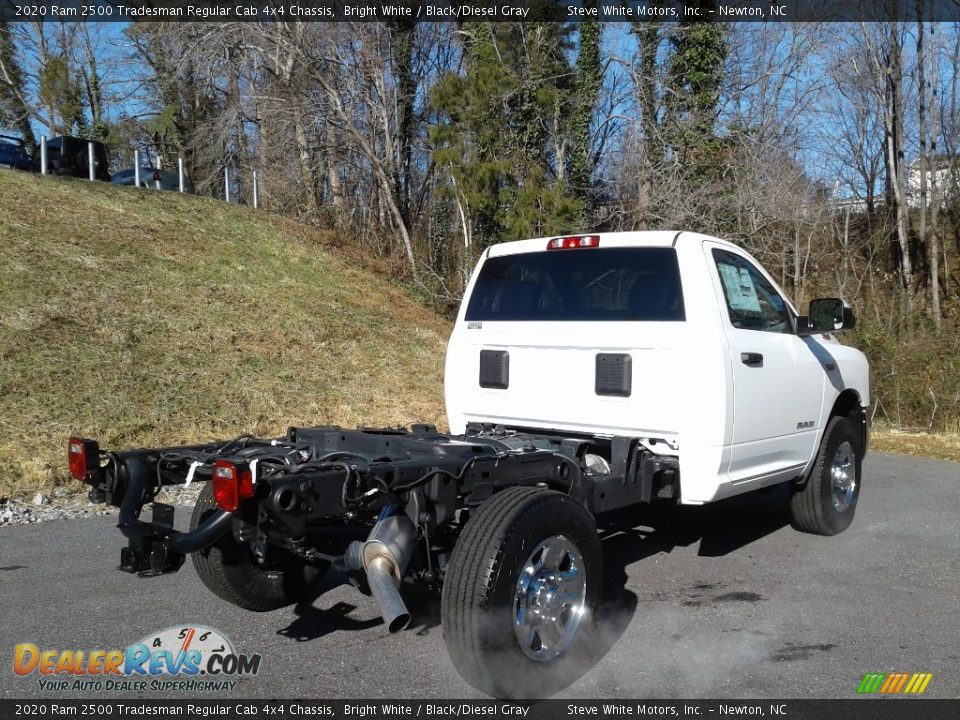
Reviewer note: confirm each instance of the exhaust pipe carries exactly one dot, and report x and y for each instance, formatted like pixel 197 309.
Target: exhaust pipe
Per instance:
pixel 384 556
pixel 394 611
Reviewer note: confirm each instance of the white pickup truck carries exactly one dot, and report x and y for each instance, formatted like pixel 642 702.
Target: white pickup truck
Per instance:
pixel 585 373
pixel 680 340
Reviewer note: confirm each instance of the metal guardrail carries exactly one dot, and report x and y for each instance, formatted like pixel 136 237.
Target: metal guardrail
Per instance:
pixel 92 164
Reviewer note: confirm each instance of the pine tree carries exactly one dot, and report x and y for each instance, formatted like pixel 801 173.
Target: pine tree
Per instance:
pixel 695 77
pixel 507 134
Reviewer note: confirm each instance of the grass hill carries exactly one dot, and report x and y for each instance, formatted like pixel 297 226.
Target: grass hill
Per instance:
pixel 141 318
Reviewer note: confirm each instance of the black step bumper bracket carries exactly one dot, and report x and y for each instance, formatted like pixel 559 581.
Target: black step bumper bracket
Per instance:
pixel 155 547
pixel 149 553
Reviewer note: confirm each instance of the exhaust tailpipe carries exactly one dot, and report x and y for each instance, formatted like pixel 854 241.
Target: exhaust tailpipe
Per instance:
pixel 385 555
pixel 394 611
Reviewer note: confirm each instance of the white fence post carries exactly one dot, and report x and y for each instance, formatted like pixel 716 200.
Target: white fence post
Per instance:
pixel 43 154
pixel 226 183
pixel 136 168
pixel 91 165
pixel 256 190
pixel 157 167
pixel 180 170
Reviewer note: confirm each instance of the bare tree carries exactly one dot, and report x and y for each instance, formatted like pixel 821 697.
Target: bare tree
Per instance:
pixel 855 135
pixel 933 240
pixel 14 103
pixel 885 51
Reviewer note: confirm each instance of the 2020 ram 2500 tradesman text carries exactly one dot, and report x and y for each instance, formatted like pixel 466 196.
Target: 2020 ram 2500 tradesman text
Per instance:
pixel 584 374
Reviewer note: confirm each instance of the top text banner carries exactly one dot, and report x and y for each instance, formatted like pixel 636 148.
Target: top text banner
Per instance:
pixel 478 10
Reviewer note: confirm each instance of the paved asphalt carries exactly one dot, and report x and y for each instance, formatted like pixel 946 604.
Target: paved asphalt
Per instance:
pixel 726 601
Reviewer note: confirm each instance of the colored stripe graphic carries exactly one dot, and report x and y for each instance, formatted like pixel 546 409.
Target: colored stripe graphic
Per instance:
pixel 898 686
pixel 894 683
pixel 871 682
pixel 889 682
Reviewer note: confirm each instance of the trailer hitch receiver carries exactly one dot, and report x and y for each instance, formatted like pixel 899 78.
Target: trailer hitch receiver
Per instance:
pixel 155 547
pixel 150 555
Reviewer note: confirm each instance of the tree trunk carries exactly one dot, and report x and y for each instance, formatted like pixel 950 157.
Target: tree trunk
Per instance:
pixel 648 41
pixel 923 160
pixel 236 107
pixel 306 161
pixel 12 89
pixel 933 245
pixel 92 86
pixel 893 126
pixel 402 35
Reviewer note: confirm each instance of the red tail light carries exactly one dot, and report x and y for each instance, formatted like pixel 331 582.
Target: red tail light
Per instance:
pixel 83 456
pixel 574 241
pixel 231 483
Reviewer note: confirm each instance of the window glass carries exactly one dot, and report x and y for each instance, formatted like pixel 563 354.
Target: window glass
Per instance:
pixel 752 302
pixel 591 284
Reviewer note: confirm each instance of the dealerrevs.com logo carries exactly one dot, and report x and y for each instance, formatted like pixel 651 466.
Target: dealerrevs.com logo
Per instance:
pixel 185 657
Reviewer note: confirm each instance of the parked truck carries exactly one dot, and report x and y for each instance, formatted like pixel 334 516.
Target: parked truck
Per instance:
pixel 584 374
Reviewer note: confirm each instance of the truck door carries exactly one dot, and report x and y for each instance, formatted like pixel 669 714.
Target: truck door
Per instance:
pixel 778 383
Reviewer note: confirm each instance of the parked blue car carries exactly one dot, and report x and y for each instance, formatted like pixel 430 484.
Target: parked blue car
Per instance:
pixel 150 177
pixel 13 153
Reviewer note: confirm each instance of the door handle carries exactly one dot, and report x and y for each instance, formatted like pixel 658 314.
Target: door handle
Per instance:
pixel 751 359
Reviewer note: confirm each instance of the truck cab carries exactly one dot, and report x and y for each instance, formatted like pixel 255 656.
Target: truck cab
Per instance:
pixel 681 341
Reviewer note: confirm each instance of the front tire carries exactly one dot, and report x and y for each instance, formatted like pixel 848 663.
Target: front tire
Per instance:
pixel 520 594
pixel 231 572
pixel 827 502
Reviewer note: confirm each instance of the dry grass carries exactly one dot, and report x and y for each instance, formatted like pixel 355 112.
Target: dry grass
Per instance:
pixel 945 446
pixel 143 318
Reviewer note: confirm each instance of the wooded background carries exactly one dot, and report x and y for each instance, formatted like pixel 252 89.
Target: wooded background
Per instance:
pixel 829 151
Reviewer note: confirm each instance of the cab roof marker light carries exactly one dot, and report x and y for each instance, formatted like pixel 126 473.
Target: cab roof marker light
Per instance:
pixel 573 242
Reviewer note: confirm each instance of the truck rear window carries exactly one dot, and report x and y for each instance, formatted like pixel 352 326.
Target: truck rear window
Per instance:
pixel 600 284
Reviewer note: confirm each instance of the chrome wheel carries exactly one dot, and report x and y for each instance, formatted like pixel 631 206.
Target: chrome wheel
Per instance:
pixel 843 476
pixel 550 599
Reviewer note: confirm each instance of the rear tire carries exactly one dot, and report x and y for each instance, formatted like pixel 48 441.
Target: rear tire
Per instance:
pixel 826 503
pixel 230 571
pixel 521 592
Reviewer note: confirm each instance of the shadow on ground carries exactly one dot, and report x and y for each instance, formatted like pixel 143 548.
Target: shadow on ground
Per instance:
pixel 627 536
